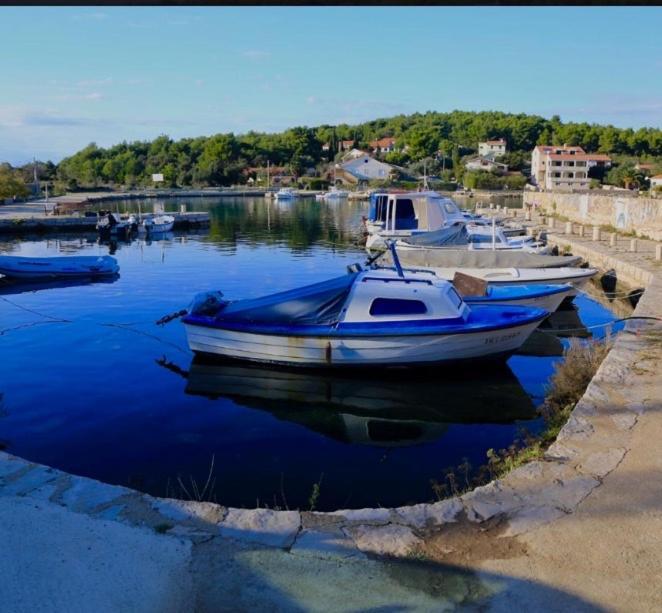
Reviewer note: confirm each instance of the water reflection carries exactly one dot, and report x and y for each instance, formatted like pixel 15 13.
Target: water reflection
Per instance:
pixel 365 407
pixel 10 287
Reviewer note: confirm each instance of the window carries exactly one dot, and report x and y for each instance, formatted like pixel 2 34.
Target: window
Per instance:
pixel 397 306
pixel 405 216
pixel 455 297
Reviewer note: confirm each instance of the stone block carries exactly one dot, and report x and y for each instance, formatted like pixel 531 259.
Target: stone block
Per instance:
pixel 429 515
pixel 32 480
pixel 85 495
pixel 365 516
pixel 530 518
pixel 390 540
pixel 601 463
pixel 205 514
pixel 264 526
pixel 489 500
pixel 326 545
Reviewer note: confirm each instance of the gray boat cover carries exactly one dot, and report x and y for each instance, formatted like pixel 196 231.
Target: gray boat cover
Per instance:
pixel 448 257
pixel 320 303
pixel 453 235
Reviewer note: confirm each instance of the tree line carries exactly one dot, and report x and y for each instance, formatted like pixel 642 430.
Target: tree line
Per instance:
pixel 224 159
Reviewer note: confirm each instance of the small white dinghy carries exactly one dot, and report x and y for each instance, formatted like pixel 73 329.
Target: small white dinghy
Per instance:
pixel 156 225
pixel 576 277
pixel 370 318
pixel 17 267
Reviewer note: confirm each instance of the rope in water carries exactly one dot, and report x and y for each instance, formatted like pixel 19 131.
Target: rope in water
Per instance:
pixel 123 326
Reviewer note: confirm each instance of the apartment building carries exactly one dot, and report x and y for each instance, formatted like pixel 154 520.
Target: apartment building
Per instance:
pixel 564 167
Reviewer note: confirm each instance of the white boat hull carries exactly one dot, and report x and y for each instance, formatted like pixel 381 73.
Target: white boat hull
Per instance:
pixel 356 351
pixel 577 277
pixel 550 303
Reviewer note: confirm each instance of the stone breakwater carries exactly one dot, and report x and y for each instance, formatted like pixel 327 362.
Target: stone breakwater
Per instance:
pixel 625 213
pixel 613 425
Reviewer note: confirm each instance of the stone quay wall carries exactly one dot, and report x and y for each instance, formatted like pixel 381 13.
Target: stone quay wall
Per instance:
pixel 625 213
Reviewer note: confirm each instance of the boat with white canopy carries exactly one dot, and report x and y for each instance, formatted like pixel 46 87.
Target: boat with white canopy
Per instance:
pixel 398 215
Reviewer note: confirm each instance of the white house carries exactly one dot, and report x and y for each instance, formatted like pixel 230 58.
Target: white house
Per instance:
pixel 564 167
pixel 656 181
pixel 366 168
pixel 492 148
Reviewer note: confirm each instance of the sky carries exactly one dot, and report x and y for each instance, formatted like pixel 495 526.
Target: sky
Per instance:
pixel 74 75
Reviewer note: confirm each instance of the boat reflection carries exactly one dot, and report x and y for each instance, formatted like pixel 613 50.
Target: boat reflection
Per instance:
pixel 565 323
pixel 366 408
pixel 9 287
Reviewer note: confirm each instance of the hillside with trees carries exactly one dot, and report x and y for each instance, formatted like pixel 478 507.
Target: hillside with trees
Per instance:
pixel 439 139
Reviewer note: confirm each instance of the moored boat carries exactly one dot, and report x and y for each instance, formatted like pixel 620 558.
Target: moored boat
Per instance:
pixel 158 224
pixel 17 267
pixel 286 193
pixel 369 318
pixel 576 277
pixel 395 215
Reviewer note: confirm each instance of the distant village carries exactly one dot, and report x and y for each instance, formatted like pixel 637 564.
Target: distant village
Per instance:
pixel 551 167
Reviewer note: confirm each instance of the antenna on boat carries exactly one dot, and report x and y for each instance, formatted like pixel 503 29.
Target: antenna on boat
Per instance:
pixel 396 259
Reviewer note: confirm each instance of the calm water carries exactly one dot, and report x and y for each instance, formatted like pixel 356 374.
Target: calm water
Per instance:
pixel 91 385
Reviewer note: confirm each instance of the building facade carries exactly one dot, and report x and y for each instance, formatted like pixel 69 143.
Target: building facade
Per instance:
pixel 366 168
pixel 492 148
pixel 656 181
pixel 564 167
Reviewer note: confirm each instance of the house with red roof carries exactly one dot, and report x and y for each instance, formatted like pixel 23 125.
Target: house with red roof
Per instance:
pixel 383 145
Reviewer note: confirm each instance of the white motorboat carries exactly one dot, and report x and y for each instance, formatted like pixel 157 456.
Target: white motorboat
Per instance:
pixel 157 224
pixel 370 318
pixel 16 267
pixel 333 194
pixel 286 193
pixel 113 226
pixel 401 215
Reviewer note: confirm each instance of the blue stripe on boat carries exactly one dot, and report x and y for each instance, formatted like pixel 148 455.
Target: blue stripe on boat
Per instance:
pixel 518 292
pixel 483 318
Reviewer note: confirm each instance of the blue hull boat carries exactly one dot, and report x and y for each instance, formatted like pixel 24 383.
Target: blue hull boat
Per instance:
pixel 16 267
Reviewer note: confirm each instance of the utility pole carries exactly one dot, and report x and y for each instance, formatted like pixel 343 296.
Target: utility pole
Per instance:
pixel 268 184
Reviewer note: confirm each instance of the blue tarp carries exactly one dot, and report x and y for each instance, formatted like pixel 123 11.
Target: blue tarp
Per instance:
pixel 314 304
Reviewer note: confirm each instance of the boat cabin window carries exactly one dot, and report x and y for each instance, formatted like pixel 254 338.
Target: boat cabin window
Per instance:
pixel 454 297
pixel 397 306
pixel 405 216
pixel 380 208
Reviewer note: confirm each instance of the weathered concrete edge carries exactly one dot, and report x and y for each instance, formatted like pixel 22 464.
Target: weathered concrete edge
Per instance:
pixel 590 446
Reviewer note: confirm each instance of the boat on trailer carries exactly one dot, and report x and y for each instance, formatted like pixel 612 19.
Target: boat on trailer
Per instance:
pixel 368 318
pixel 17 267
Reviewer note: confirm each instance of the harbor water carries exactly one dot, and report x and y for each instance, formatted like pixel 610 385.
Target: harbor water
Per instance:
pixel 91 385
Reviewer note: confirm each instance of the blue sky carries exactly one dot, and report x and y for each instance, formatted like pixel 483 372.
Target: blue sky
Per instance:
pixel 73 75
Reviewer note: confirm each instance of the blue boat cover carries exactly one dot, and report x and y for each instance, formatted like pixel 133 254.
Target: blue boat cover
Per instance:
pixel 319 303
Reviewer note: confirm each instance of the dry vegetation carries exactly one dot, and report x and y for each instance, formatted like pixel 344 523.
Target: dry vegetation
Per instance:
pixel 567 385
